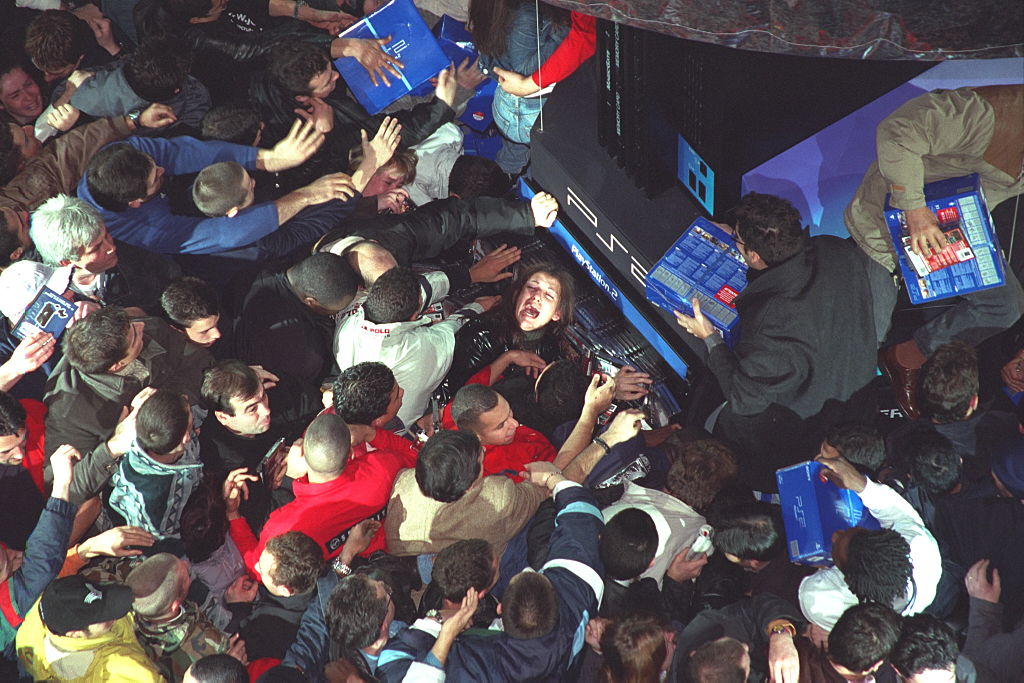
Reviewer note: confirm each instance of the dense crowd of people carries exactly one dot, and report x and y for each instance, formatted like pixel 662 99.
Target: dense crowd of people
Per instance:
pixel 299 408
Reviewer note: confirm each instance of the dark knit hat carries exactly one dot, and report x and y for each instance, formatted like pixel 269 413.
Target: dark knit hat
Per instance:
pixel 74 604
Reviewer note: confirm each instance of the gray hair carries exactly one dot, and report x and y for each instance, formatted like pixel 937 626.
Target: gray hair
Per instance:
pixel 219 188
pixel 63 226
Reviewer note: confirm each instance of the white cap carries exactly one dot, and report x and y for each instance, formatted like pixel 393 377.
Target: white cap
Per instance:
pixel 21 281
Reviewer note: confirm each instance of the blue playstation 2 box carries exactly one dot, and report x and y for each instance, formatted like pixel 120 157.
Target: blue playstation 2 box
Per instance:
pixel 411 43
pixel 969 262
pixel 48 312
pixel 703 264
pixel 813 508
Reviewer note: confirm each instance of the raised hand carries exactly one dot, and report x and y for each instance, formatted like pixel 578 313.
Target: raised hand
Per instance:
pixel 631 384
pixel 317 111
pixel 978 585
pixel 491 268
pixel 682 569
pixel 359 539
pixel 30 353
pixel 393 201
pixel 1012 373
pixel 600 393
pixel 157 115
pixel 447 84
pixel 783 659
pixel 460 619
pixel 101 30
pixel 378 151
pixel 124 434
pixel 268 379
pixel 236 648
pixel 545 209
pixel 624 427
pixel 236 489
pixel 62 463
pixel 370 54
pixel 332 186
pixel 242 589
pixel 487 302
pixel 469 76
pixel 302 141
pixel 842 473
pixel 541 473
pixel 63 117
pixel 121 541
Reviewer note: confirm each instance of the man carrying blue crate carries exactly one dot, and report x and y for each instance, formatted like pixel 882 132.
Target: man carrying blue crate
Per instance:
pixel 938 135
pixel 806 347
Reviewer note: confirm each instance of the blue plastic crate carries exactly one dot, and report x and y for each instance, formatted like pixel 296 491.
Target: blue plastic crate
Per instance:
pixel 970 262
pixel 814 508
pixel 411 42
pixel 479 113
pixel 480 145
pixel 455 40
pixel 704 264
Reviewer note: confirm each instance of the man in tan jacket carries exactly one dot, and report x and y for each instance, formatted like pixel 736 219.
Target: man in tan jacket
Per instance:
pixel 938 135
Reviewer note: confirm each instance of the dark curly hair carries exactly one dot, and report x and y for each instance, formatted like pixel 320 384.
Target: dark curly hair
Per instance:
pixel 878 566
pixel 362 392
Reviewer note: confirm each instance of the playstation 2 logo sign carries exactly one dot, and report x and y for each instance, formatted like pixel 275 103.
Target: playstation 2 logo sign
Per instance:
pixel 573 199
pixel 398 47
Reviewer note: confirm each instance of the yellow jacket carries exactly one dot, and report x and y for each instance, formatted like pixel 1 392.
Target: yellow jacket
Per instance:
pixel 112 657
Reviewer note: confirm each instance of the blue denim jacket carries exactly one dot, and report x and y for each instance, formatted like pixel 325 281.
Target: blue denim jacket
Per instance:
pixel 521 47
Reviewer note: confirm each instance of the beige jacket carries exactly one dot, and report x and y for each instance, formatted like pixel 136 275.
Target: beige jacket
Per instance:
pixel 938 135
pixel 495 509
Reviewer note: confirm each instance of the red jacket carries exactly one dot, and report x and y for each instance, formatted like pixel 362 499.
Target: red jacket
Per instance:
pixel 325 512
pixel 577 48
pixel 528 445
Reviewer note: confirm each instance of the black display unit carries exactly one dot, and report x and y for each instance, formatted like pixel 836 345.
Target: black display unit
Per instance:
pixel 672 110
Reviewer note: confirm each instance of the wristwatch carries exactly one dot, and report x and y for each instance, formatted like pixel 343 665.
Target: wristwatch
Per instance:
pixel 340 567
pixel 295 9
pixel 435 615
pixel 134 115
pixel 778 628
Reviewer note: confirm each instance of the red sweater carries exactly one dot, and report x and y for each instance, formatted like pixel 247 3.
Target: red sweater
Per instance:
pixel 577 48
pixel 528 445
pixel 325 511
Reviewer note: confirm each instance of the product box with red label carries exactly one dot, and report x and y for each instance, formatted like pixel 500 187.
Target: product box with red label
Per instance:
pixel 703 264
pixel 970 260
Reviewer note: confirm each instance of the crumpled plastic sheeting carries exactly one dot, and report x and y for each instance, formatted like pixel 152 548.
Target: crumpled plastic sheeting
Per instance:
pixel 928 30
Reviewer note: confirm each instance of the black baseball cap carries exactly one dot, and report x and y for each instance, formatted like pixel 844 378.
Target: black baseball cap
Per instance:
pixel 74 604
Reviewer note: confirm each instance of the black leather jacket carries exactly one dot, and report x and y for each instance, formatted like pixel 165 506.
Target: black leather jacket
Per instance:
pixel 214 42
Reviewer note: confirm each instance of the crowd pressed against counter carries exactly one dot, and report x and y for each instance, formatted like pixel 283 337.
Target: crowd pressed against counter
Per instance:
pixel 286 393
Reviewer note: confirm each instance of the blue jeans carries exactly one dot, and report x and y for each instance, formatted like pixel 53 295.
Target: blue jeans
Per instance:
pixel 514 117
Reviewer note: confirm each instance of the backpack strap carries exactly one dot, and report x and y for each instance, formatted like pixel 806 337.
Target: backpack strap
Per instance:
pixel 7 606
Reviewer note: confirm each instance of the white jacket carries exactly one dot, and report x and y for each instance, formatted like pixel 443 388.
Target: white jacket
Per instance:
pixel 419 352
pixel 824 595
pixel 677 524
